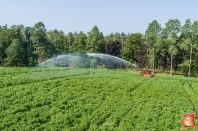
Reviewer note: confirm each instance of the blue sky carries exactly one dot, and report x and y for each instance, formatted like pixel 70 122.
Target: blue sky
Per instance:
pixel 128 16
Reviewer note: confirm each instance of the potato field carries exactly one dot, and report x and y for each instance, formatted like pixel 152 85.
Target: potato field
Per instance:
pixel 73 99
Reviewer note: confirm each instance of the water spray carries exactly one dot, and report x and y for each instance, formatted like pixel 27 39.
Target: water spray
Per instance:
pixel 88 60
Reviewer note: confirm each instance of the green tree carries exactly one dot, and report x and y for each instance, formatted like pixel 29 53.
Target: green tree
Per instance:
pixel 173 30
pixel 17 32
pixel 162 50
pixel 190 34
pixel 141 55
pixel 195 45
pixel 70 38
pixel 109 38
pixel 58 40
pixel 80 43
pixel 22 34
pixel 132 43
pixel 123 38
pixel 117 37
pixel 39 39
pixel 152 34
pixel 186 45
pixel 15 54
pixel 6 37
pixel 95 41
pixel 29 48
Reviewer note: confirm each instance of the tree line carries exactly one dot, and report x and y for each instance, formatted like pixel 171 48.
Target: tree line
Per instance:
pixel 171 49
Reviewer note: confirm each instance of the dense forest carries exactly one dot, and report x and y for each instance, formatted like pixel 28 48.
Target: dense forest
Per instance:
pixel 172 49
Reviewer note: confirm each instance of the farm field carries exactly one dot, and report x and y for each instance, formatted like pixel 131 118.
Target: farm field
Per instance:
pixel 58 98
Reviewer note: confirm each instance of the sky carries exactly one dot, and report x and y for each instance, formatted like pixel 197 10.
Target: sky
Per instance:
pixel 110 16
